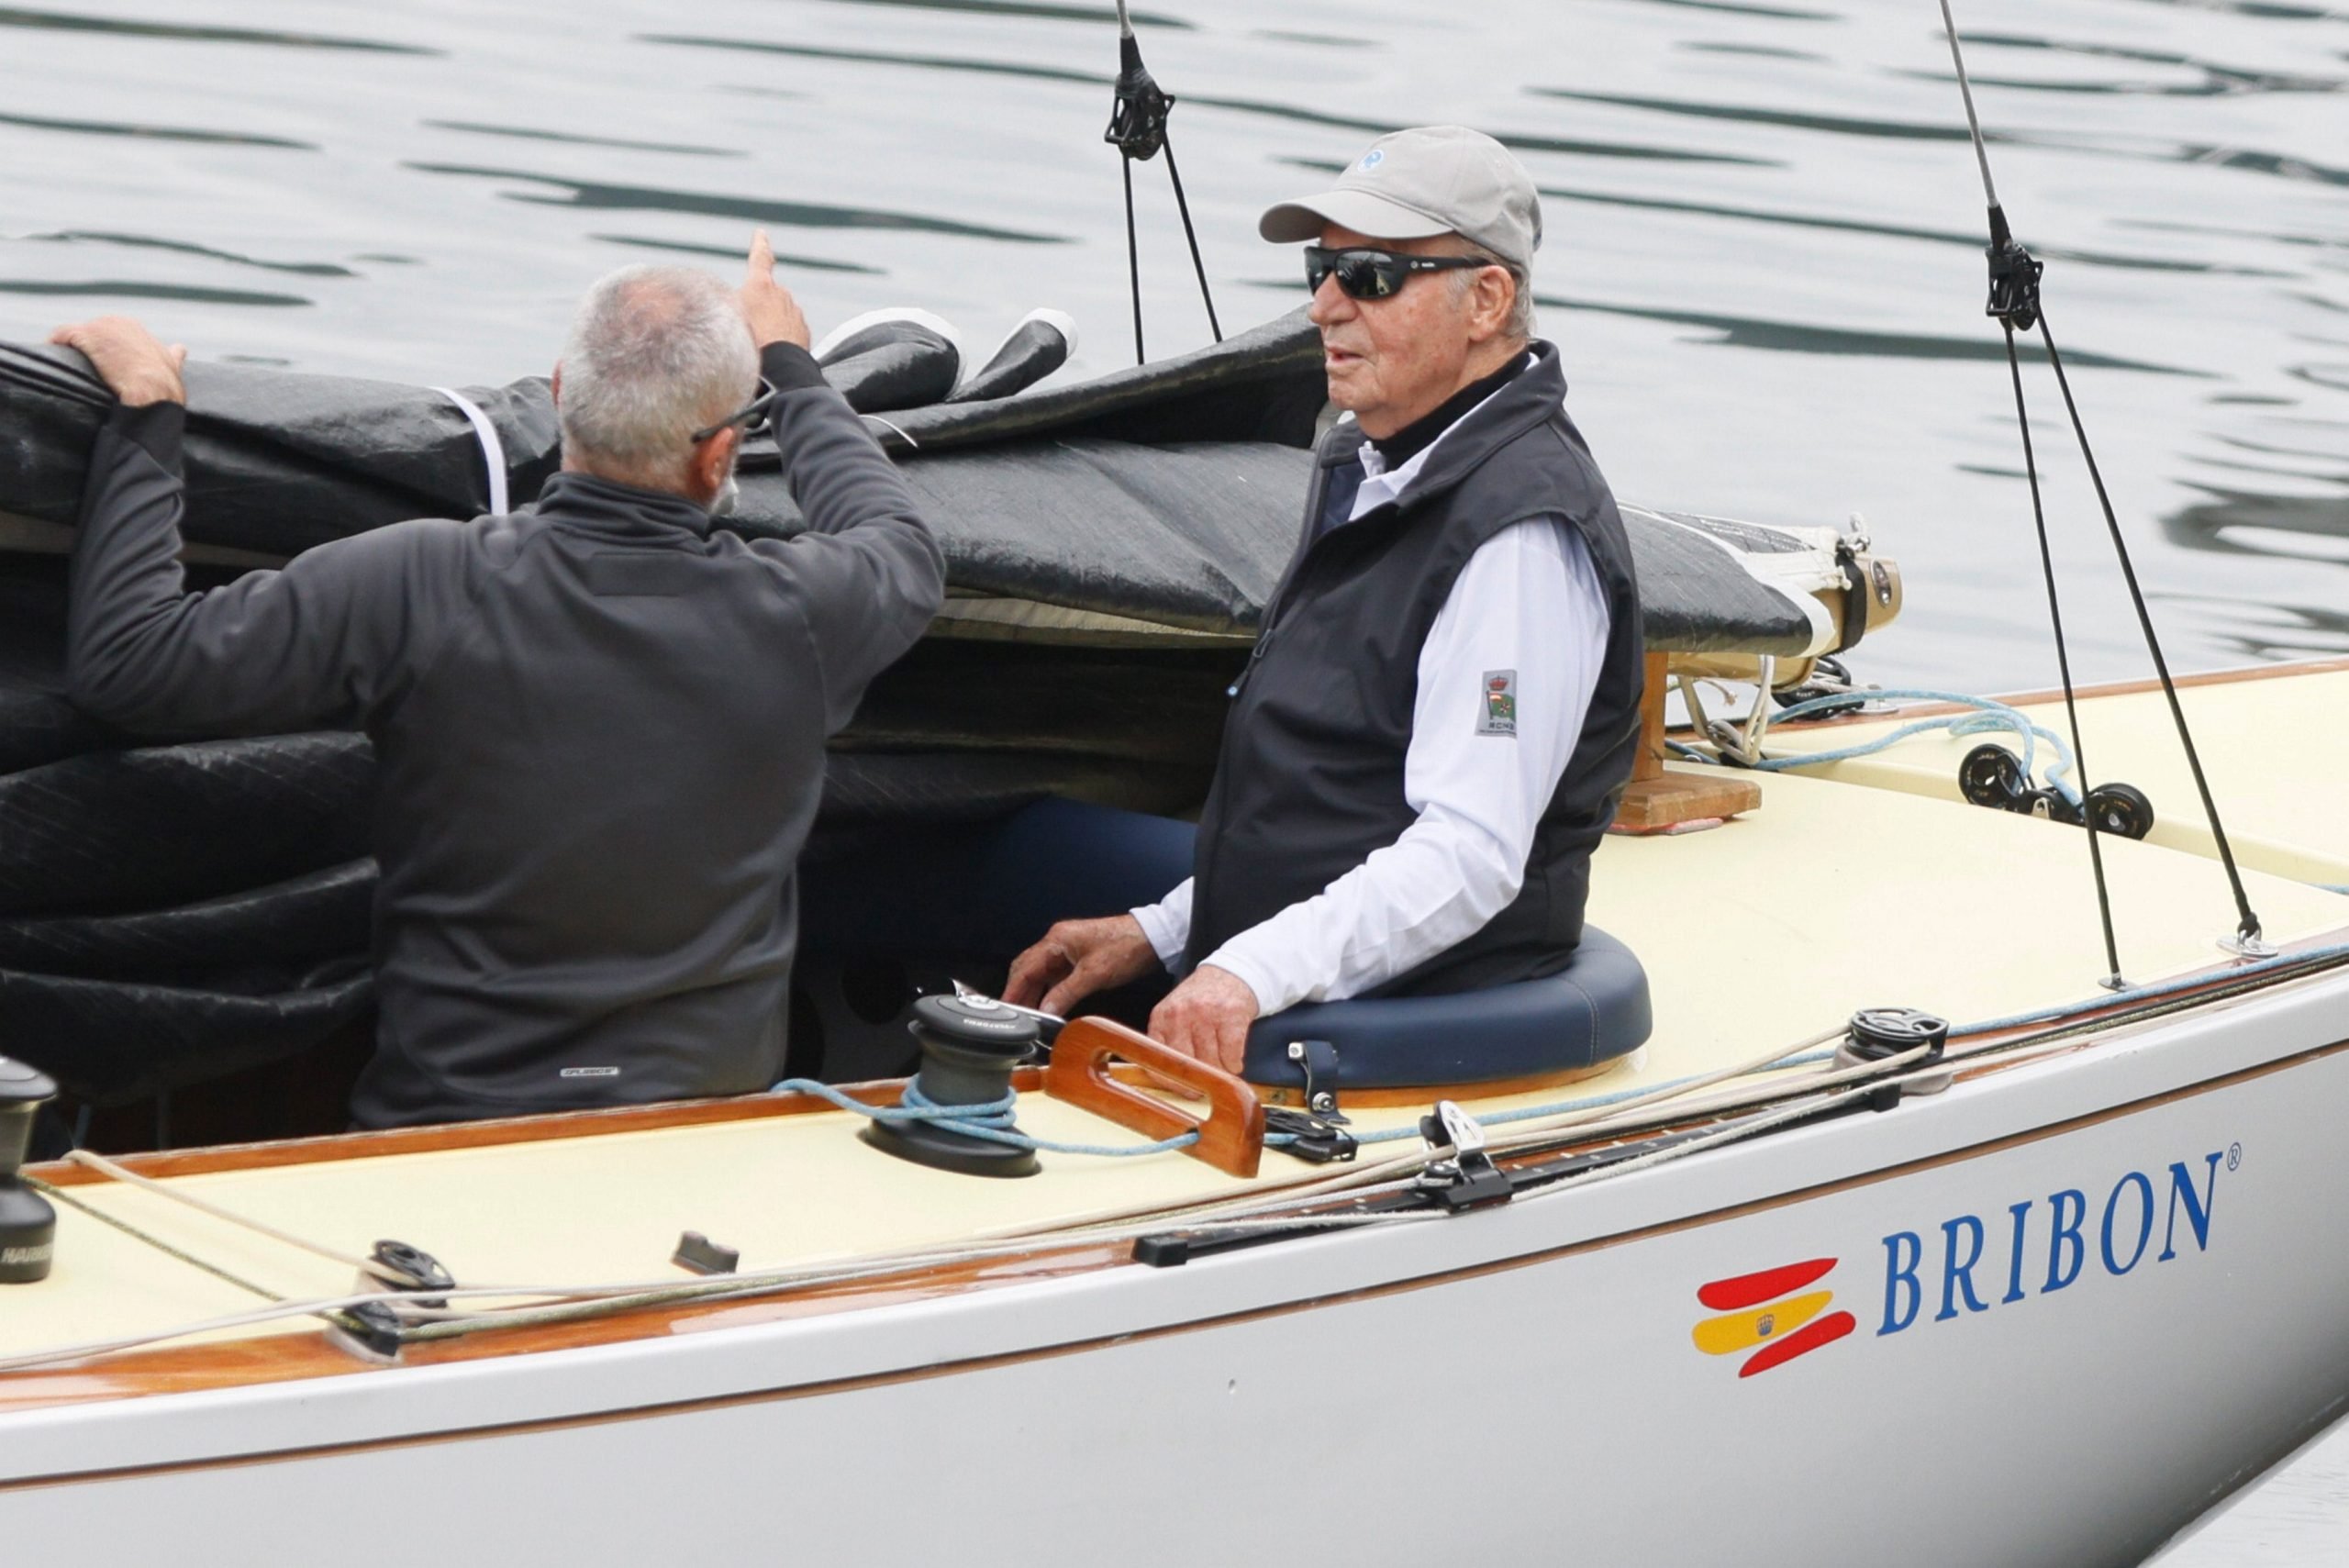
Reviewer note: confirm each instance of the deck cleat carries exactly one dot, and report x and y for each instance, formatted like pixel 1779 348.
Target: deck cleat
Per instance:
pixel 1462 1176
pixel 1879 1034
pixel 369 1331
pixel 696 1253
pixel 1312 1138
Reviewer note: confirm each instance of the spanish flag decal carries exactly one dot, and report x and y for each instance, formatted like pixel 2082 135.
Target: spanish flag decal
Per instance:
pixel 1773 1313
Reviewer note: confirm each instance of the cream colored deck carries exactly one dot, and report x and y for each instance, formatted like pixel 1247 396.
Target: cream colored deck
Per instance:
pixel 2273 749
pixel 1771 928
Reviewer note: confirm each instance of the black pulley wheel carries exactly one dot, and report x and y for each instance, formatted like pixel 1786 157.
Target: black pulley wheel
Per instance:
pixel 1991 775
pixel 2121 810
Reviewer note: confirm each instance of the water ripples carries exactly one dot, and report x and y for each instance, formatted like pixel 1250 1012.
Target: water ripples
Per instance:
pixel 187 32
pixel 1764 262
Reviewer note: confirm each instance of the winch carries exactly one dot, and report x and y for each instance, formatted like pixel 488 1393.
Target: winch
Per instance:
pixel 28 1223
pixel 969 1046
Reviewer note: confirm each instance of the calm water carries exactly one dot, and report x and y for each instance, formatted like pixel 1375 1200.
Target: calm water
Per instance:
pixel 1764 228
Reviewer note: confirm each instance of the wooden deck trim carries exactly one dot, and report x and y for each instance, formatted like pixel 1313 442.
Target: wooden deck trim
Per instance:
pixel 503 1131
pixel 946 1368
pixel 298 1356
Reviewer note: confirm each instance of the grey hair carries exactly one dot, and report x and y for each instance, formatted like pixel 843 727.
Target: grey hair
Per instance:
pixel 1519 326
pixel 654 354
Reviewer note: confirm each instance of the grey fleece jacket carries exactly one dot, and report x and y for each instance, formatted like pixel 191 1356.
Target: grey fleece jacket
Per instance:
pixel 600 731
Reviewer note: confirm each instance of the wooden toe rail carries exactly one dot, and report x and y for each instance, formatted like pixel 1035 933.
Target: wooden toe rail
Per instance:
pixel 1232 1137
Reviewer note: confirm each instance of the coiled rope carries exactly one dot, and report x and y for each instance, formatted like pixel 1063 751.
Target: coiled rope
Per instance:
pixel 991 1121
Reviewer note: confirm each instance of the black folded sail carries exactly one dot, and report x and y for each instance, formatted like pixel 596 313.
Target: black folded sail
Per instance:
pixel 1166 493
pixel 1109 546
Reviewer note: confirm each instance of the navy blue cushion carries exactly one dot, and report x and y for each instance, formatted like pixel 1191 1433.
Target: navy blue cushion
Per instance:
pixel 1593 1010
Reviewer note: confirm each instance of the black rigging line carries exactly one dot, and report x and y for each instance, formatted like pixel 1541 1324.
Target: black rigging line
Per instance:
pixel 1133 258
pixel 2064 665
pixel 2015 301
pixel 2247 930
pixel 1190 234
pixel 1138 114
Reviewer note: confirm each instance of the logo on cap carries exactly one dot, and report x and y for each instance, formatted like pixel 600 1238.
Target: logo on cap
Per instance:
pixel 1372 159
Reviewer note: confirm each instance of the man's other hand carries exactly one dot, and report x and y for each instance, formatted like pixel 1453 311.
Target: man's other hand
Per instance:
pixel 1077 958
pixel 1207 1017
pixel 767 305
pixel 129 358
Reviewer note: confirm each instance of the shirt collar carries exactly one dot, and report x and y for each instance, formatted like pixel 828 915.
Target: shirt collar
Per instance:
pixel 1381 484
pixel 589 498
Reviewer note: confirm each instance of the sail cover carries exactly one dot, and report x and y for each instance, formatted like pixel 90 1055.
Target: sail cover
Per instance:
pixel 1165 496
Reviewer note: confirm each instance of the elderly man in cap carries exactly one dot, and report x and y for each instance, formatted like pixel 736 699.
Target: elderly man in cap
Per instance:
pixel 1443 704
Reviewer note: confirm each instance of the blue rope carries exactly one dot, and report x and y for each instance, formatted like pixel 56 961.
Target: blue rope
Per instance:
pixel 1988 716
pixel 992 1121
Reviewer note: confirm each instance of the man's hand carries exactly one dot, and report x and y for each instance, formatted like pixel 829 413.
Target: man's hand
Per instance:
pixel 129 358
pixel 1077 958
pixel 767 305
pixel 1207 1017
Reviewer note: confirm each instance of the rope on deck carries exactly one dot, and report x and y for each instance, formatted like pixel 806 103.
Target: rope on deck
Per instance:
pixel 992 1121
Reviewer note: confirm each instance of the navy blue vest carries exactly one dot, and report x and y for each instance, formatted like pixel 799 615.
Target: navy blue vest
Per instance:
pixel 1309 778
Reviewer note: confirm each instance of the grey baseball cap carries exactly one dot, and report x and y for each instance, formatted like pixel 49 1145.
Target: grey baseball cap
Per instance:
pixel 1437 179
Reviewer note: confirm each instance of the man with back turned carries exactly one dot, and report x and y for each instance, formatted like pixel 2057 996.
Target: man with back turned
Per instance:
pixel 599 725
pixel 1443 704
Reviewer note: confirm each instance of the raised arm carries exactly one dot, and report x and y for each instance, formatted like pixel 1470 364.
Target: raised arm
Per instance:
pixel 871 575
pixel 273 650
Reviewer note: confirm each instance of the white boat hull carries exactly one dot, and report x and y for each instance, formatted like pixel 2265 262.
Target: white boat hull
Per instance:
pixel 1521 1379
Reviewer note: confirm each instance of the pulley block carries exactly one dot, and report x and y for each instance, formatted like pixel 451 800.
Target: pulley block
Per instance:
pixel 1991 775
pixel 2121 810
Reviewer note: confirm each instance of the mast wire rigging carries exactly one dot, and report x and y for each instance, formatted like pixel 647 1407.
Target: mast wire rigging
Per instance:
pixel 2015 301
pixel 1138 130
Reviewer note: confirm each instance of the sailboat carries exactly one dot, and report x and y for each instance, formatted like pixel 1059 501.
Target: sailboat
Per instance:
pixel 1938 1171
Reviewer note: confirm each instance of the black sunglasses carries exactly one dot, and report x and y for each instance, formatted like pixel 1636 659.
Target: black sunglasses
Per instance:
pixel 748 417
pixel 1376 274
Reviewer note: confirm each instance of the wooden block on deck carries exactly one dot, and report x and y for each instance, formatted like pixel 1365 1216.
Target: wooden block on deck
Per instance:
pixel 1665 800
pixel 1656 799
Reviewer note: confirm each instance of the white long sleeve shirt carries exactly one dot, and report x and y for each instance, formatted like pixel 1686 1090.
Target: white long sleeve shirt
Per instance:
pixel 1528 602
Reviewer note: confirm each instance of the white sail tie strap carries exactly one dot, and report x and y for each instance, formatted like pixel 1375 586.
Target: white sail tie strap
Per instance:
pixel 493 450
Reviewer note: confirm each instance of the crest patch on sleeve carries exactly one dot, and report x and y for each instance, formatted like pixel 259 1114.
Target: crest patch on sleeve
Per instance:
pixel 1496 712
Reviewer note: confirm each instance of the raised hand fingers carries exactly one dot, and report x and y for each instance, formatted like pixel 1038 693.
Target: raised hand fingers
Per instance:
pixel 761 267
